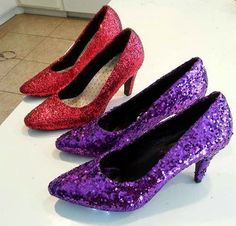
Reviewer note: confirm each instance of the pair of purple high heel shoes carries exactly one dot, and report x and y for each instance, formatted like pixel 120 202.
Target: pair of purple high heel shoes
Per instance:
pixel 143 143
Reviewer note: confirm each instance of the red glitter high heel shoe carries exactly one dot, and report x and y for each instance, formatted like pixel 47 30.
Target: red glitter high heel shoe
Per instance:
pixel 87 96
pixel 100 31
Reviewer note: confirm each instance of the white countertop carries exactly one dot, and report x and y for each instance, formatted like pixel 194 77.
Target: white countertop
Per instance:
pixel 172 32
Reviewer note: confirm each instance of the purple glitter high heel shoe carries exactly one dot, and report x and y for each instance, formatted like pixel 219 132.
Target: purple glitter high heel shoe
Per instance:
pixel 168 95
pixel 128 176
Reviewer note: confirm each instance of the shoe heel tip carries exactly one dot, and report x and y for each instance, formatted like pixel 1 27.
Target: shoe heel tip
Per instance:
pixel 127 93
pixel 197 180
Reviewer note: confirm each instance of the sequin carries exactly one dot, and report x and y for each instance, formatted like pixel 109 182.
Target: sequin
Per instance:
pixel 112 195
pixel 92 140
pixel 49 81
pixel 54 114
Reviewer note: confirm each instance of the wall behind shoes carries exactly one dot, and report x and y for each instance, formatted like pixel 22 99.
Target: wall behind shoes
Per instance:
pixel 84 6
pixel 6 6
pixel 7 10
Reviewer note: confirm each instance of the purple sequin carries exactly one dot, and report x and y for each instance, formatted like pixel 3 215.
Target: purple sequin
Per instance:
pixel 92 140
pixel 87 185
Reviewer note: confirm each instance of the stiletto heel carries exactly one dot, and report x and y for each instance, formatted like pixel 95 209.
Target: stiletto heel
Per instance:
pixel 128 86
pixel 132 172
pixel 101 30
pixel 201 168
pixel 87 96
pixel 169 88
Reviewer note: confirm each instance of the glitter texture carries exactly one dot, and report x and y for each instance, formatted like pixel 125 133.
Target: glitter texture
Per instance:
pixel 53 114
pixel 87 185
pixel 49 81
pixel 92 140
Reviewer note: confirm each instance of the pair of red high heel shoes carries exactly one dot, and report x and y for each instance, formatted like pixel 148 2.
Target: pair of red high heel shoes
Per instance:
pixel 82 82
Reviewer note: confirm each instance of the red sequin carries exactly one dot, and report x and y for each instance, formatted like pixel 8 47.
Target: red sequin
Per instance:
pixel 54 114
pixel 49 81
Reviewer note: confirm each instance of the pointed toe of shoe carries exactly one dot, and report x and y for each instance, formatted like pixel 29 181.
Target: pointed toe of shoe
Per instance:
pixel 53 114
pixel 37 86
pixel 71 143
pixel 85 141
pixel 71 187
pixel 34 88
pixel 35 121
pixel 44 116
pixel 87 186
pixel 44 84
pixel 59 189
pixel 54 187
pixel 79 188
pixel 65 190
pixel 68 142
pixel 27 89
pixel 29 120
